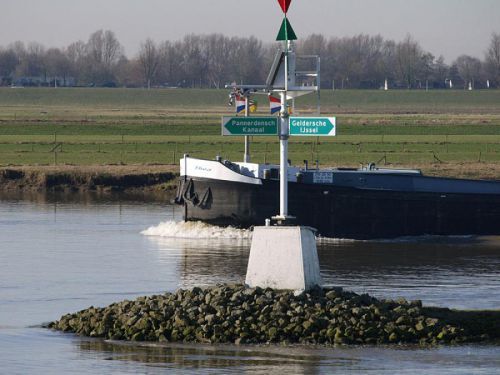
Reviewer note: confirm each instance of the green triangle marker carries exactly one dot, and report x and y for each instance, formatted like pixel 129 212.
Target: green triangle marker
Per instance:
pixel 286 31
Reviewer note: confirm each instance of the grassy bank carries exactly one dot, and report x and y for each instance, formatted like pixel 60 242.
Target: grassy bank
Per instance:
pixel 158 182
pixel 339 101
pixel 429 130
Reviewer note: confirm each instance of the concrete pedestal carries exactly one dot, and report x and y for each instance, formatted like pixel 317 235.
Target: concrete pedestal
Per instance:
pixel 283 257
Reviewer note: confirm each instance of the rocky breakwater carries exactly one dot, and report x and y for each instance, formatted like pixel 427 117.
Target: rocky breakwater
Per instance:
pixel 235 314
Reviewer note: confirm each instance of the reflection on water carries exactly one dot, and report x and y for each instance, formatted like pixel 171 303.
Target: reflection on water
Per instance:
pixel 63 255
pixel 82 198
pixel 205 254
pixel 449 273
pixel 205 262
pixel 216 359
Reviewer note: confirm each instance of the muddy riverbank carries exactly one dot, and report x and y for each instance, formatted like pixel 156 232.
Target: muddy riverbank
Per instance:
pixel 158 181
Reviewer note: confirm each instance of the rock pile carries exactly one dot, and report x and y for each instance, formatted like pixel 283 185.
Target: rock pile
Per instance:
pixel 235 314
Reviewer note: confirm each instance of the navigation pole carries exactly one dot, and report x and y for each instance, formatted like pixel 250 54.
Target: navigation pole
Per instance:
pixel 284 256
pixel 284 135
pixel 246 156
pixel 286 34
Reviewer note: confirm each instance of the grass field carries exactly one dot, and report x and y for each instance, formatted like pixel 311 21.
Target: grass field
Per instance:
pixel 131 126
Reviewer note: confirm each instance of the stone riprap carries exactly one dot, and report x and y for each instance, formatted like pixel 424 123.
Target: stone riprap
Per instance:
pixel 235 314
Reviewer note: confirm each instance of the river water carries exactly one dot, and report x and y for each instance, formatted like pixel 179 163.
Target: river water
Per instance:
pixel 60 255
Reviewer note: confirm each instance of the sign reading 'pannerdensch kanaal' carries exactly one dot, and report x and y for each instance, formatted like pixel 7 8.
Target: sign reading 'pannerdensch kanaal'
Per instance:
pixel 313 126
pixel 249 125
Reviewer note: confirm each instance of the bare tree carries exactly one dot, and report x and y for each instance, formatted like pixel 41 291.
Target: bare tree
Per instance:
pixel 104 48
pixel 103 52
pixel 493 58
pixel 171 68
pixel 371 49
pixel 77 56
pixel 149 60
pixel 469 69
pixel 191 60
pixel 95 46
pixel 112 49
pixel 32 62
pixel 409 55
pixel 360 61
pixel 314 44
pixel 76 51
pixel 388 61
pixel 220 47
pixel 58 65
pixel 249 58
pixel 128 73
pixel 425 68
pixel 19 48
pixel 440 73
pixel 8 63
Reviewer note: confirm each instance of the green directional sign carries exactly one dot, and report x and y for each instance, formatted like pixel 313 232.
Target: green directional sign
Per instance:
pixel 249 125
pixel 313 126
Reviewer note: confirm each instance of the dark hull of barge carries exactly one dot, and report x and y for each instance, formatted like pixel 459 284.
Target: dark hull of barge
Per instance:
pixel 342 212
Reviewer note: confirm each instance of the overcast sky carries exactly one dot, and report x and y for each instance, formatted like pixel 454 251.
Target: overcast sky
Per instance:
pixel 448 27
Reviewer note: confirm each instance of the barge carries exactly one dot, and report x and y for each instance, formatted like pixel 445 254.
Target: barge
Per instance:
pixel 364 203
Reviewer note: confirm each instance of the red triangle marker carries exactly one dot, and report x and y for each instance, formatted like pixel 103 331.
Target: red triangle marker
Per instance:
pixel 285 4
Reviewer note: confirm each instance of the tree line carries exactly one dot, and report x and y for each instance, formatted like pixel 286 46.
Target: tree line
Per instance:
pixel 211 61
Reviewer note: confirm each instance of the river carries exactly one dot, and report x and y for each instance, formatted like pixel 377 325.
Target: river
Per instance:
pixel 63 254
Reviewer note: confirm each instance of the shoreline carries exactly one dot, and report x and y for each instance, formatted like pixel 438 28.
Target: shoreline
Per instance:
pixel 155 181
pixel 159 179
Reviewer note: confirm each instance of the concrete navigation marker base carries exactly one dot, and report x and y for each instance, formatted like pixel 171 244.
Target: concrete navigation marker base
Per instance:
pixel 283 257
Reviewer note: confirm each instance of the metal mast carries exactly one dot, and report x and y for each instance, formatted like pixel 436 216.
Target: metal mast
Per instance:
pixel 286 34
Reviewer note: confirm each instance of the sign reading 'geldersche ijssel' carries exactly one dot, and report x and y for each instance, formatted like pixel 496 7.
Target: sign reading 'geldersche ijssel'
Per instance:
pixel 313 126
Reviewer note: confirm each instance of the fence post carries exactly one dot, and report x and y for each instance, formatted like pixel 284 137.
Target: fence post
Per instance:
pixel 55 148
pixel 436 158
